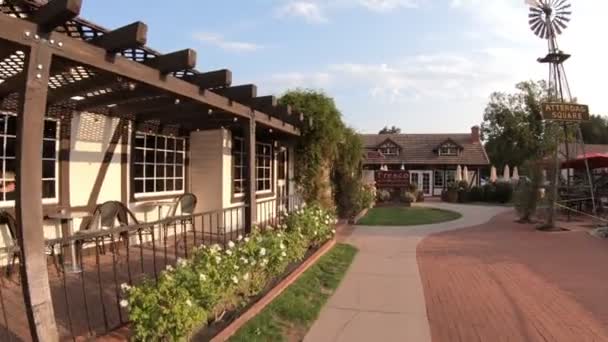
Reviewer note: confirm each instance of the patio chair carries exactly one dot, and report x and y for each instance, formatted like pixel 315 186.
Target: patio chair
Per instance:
pixel 186 204
pixel 109 215
pixel 14 251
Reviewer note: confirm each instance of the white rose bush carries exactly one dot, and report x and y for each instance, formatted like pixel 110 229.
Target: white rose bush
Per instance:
pixel 213 281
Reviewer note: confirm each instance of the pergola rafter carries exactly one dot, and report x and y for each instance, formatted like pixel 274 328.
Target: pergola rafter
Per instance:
pixel 67 63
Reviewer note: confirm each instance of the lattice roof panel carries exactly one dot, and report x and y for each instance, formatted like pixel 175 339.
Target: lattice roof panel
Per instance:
pixel 73 75
pixel 12 65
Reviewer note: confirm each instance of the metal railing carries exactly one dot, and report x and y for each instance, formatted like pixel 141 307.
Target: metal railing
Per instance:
pixel 87 296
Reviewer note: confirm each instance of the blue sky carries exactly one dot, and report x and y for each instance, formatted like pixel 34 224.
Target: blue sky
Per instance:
pixel 423 65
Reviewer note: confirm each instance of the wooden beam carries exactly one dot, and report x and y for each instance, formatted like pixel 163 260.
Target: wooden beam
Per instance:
pixel 28 205
pixel 265 103
pixel 251 209
pixel 241 93
pixel 55 13
pixel 152 105
pixel 175 61
pixel 73 49
pixel 131 36
pixel 211 79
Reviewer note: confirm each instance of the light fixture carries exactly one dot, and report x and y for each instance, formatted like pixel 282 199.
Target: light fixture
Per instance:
pixel 270 130
pixel 77 98
pixel 111 105
pixel 235 119
pixel 177 101
pixel 210 111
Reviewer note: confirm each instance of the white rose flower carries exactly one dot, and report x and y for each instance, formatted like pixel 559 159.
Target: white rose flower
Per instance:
pixel 333 231
pixel 235 279
pixel 262 251
pixel 246 239
pixel 314 233
pixel 280 235
pixel 252 261
pixel 244 260
pixel 124 303
pixel 125 287
pixel 246 276
pixel 284 254
pixel 230 244
pixel 188 302
pixel 218 259
pixel 239 238
pixel 236 267
pixel 202 277
pixel 182 262
pixel 169 268
pixel 229 252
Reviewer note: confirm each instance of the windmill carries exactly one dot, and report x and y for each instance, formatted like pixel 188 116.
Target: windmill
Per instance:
pixel 548 19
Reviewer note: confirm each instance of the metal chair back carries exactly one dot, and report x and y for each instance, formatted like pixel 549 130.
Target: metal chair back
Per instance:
pixel 8 219
pixel 187 204
pixel 107 214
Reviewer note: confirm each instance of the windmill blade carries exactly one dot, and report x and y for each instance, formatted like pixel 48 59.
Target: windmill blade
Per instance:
pixel 560 8
pixel 556 28
pixel 538 29
pixel 560 3
pixel 537 10
pixel 543 31
pixel 535 26
pixel 534 21
pixel 560 23
pixel 534 15
pixel 563 18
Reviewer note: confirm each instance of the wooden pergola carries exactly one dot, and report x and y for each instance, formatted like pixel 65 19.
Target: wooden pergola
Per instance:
pixel 53 63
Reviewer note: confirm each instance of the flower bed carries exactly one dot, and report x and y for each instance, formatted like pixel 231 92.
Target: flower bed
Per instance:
pixel 214 281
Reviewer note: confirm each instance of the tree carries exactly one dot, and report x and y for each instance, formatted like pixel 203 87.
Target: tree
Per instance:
pixel 317 148
pixel 391 130
pixel 512 128
pixel 595 131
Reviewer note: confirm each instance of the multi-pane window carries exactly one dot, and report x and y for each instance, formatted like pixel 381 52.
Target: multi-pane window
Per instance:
pixel 238 165
pixel 8 149
pixel 438 177
pixel 263 166
pixel 450 176
pixel 158 164
pixel 389 150
pixel 448 150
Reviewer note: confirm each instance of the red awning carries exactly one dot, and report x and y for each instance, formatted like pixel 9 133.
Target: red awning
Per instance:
pixel 595 160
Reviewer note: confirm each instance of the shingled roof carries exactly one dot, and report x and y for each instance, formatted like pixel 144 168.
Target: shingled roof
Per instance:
pixel 419 149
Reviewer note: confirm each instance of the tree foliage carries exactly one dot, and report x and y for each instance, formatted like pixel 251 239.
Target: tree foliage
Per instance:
pixel 595 131
pixel 328 154
pixel 512 126
pixel 390 130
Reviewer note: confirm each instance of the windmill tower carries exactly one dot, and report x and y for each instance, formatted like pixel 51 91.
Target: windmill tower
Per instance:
pixel 548 19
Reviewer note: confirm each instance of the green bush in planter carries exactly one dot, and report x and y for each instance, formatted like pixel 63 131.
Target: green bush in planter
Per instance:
pixel 463 195
pixel 489 193
pixel 215 280
pixel 504 192
pixel 476 194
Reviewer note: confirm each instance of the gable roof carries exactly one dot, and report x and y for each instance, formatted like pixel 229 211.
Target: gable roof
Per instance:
pixel 421 149
pixel 388 141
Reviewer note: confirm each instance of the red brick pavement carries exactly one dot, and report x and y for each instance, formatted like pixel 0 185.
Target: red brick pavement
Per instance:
pixel 504 281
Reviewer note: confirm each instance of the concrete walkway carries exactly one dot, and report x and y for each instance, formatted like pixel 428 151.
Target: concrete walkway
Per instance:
pixel 381 297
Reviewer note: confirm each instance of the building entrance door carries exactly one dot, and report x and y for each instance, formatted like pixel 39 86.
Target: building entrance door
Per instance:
pixel 424 180
pixel 282 165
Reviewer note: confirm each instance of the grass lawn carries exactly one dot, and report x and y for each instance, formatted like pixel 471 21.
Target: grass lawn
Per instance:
pixel 291 314
pixel 402 216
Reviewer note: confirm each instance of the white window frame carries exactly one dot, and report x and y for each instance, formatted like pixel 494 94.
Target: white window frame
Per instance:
pixel 144 178
pixel 448 150
pixel 269 168
pixel 243 155
pixel 4 135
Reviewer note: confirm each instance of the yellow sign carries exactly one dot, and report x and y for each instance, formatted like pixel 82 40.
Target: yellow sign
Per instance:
pixel 558 111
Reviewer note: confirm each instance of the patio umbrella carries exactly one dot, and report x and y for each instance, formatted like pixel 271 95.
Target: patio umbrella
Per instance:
pixel 458 177
pixel 493 176
pixel 595 161
pixel 515 175
pixel 507 173
pixel 465 174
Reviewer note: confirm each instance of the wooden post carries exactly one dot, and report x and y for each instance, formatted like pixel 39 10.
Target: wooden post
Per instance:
pixel 250 141
pixel 28 206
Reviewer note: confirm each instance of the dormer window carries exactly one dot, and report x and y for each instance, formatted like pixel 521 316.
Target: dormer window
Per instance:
pixel 448 149
pixel 388 148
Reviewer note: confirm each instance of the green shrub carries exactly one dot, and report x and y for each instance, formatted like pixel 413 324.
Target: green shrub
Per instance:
pixel 504 192
pixel 412 188
pixel 463 195
pixel 527 194
pixel 489 193
pixel 419 196
pixel 408 197
pixel 476 194
pixel 215 280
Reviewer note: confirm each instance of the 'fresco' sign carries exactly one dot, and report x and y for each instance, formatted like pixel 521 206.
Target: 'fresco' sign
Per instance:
pixel 556 111
pixel 393 179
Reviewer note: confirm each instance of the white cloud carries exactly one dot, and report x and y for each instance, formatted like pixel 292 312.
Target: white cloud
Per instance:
pixel 389 5
pixel 309 10
pixel 228 45
pixel 316 11
pixel 280 82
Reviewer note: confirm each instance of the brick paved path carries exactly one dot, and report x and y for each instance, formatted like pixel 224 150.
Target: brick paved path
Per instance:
pixel 503 281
